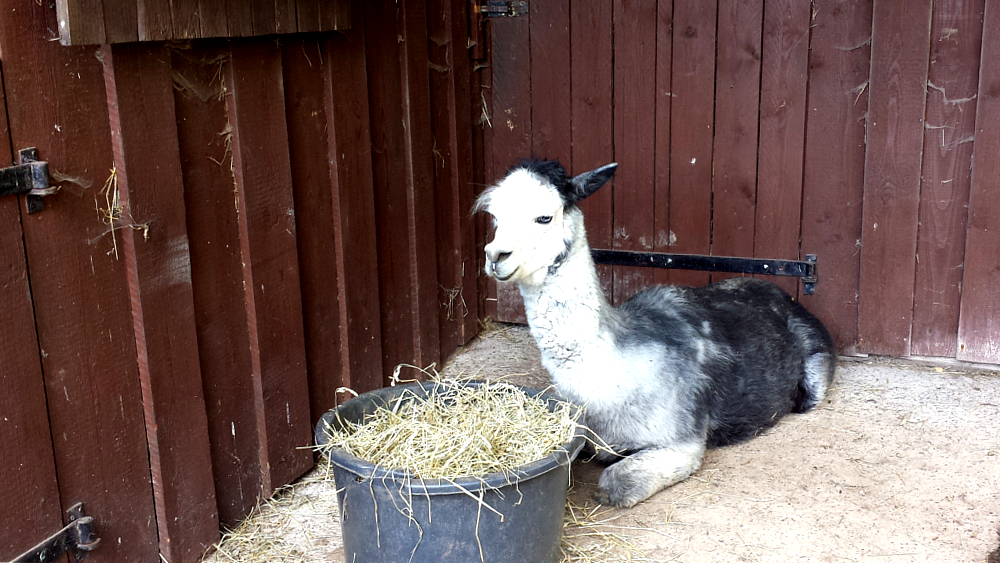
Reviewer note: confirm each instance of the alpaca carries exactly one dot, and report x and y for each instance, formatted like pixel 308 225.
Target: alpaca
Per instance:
pixel 669 372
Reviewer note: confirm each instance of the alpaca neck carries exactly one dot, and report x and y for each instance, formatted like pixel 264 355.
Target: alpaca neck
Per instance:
pixel 567 311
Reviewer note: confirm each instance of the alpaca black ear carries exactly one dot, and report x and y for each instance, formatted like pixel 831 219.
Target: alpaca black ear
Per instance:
pixel 589 182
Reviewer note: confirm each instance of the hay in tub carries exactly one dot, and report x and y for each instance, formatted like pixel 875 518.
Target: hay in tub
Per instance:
pixel 459 430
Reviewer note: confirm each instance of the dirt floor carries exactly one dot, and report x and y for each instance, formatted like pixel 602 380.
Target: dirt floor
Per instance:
pixel 900 464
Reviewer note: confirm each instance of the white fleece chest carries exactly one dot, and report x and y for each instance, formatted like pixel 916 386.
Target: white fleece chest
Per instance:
pixel 577 350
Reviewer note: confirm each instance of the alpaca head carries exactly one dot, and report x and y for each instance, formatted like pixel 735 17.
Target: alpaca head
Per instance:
pixel 536 217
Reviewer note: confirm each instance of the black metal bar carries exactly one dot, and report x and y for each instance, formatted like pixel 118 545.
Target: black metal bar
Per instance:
pixel 503 9
pixel 805 269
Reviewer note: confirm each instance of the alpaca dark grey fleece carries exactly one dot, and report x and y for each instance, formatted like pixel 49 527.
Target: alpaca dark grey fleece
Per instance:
pixel 669 372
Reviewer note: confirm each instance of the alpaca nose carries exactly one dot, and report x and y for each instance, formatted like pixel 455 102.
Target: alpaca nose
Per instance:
pixel 496 256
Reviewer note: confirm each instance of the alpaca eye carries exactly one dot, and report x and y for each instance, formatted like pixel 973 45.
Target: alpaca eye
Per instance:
pixel 544 219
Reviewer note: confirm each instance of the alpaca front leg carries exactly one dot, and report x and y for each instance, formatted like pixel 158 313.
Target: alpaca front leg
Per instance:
pixel 643 473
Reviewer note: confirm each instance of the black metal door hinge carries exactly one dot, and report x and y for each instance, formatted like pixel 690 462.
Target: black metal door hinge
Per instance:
pixel 30 177
pixel 804 269
pixel 478 11
pixel 496 9
pixel 77 538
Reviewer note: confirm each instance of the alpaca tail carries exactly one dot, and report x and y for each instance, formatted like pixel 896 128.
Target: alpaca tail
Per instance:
pixel 820 361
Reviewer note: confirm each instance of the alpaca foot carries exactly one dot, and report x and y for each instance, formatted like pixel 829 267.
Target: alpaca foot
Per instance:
pixel 644 473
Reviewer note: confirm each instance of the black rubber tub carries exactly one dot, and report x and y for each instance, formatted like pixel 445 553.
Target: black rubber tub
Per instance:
pixel 446 523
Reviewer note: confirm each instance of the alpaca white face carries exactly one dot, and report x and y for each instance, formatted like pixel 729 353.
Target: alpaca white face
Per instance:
pixel 532 228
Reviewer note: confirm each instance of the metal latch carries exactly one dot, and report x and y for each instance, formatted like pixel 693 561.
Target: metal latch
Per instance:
pixel 497 9
pixel 76 538
pixel 803 269
pixel 30 177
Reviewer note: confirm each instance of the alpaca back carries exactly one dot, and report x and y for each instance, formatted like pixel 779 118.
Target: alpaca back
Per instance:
pixel 748 341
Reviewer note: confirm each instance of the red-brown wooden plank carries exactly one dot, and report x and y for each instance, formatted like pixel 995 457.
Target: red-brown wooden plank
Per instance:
pixel 510 115
pixel 81 22
pixel 239 18
pixel 121 21
pixel 155 20
pixel 451 126
pixel 691 131
pixel 264 16
pixel 661 165
pixel 833 173
pixel 317 237
pixel 186 18
pixel 399 93
pixel 82 310
pixel 271 275
pixel 320 239
pixel 784 73
pixel 550 81
pixel 27 469
pixel 979 323
pixel 346 86
pixel 737 106
pixel 548 33
pixel 549 76
pixel 204 135
pixel 138 79
pixel 214 20
pixel 634 137
pixel 484 165
pixel 952 79
pixel 307 14
pixel 337 14
pixel 591 104
pixel 900 43
pixel 285 16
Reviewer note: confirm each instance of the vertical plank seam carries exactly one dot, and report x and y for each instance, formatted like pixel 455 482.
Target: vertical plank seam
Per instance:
pixel 614 145
pixel 531 93
pixel 960 344
pixel 864 178
pixel 409 150
pixel 346 373
pixel 236 160
pixel 920 183
pixel 569 26
pixel 656 93
pixel 760 102
pixel 31 308
pixel 135 306
pixel 920 164
pixel 670 124
pixel 715 133
pixel 805 141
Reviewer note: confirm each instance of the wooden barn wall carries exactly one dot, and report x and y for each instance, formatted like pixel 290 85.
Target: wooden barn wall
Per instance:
pixel 850 129
pixel 243 227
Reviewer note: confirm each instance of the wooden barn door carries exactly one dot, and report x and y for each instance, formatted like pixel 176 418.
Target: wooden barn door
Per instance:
pixel 847 129
pixel 77 418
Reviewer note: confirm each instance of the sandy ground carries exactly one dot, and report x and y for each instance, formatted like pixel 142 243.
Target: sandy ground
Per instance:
pixel 900 464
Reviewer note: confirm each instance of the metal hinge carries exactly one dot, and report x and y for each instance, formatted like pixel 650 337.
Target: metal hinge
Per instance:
pixel 30 177
pixel 478 11
pixel 496 9
pixel 77 538
pixel 804 269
